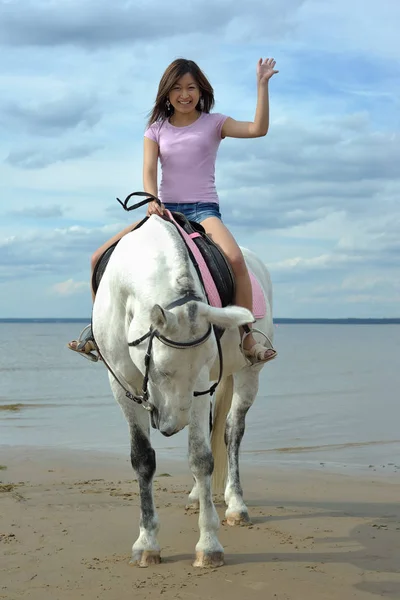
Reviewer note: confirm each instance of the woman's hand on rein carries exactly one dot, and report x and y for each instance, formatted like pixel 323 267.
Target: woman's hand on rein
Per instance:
pixel 155 209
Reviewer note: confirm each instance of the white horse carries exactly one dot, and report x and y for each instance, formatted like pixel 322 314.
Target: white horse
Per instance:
pixel 150 294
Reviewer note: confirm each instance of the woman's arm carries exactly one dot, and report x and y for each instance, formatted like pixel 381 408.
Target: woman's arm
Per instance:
pixel 150 161
pixel 259 127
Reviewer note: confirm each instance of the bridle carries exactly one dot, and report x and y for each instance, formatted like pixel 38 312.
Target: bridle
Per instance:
pixel 144 398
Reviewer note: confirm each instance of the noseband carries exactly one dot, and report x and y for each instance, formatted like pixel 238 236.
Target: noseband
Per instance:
pixel 143 398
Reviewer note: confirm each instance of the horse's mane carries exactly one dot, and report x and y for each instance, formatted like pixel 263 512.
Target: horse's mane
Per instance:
pixel 186 278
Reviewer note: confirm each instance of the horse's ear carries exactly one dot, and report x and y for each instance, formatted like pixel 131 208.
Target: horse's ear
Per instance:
pixel 230 316
pixel 158 317
pixel 161 318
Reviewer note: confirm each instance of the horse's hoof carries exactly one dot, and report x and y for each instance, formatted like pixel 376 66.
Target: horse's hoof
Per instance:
pixel 211 559
pixel 145 558
pixel 193 507
pixel 238 519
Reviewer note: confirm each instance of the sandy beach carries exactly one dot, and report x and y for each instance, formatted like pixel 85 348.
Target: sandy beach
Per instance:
pixel 68 521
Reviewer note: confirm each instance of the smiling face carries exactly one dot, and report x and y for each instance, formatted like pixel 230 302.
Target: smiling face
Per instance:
pixel 185 94
pixel 182 85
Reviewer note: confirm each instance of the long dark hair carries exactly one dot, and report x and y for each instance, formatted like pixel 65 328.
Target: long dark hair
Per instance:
pixel 172 74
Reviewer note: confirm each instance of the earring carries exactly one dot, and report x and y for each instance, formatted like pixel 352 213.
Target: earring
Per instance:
pixel 201 103
pixel 168 105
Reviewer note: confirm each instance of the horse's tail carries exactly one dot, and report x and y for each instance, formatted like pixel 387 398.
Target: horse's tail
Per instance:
pixel 222 405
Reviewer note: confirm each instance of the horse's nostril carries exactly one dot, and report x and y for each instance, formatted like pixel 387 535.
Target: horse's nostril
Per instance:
pixel 167 432
pixel 169 429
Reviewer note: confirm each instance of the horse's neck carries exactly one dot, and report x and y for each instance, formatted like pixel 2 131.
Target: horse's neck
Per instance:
pixel 165 264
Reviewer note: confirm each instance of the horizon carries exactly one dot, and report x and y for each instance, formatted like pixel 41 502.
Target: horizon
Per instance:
pixel 276 320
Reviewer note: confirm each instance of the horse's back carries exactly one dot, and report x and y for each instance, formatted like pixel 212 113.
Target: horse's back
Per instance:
pixel 139 249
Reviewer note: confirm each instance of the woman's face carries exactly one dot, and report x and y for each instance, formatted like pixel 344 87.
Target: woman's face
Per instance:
pixel 185 94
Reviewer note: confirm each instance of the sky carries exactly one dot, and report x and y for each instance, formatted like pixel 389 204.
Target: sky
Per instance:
pixel 318 198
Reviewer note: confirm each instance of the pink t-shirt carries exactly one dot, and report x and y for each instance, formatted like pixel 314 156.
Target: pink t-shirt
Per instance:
pixel 187 156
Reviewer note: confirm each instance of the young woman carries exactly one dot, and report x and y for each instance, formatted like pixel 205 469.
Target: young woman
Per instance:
pixel 185 136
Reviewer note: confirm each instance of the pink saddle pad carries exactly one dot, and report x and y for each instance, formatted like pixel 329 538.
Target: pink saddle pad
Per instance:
pixel 259 304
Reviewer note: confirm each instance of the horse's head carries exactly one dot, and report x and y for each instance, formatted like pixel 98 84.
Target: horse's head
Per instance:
pixel 183 351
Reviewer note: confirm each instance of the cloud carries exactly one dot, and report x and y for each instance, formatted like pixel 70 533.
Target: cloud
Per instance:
pixel 38 212
pixel 372 288
pixel 338 150
pixel 38 159
pixel 365 282
pixel 54 116
pixel 321 262
pixel 367 252
pixel 60 251
pixel 373 299
pixel 94 24
pixel 70 287
pixel 361 26
pixel 264 216
pixel 301 174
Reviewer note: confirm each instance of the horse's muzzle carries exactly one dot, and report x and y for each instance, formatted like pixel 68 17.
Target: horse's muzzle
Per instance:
pixel 168 424
pixel 173 424
pixel 168 431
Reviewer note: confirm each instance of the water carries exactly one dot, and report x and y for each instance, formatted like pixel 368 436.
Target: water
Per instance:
pixel 330 400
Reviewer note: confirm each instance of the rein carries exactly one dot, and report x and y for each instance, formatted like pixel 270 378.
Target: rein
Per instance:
pixel 148 198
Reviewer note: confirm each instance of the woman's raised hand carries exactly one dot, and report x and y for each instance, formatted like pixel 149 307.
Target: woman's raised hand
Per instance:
pixel 265 70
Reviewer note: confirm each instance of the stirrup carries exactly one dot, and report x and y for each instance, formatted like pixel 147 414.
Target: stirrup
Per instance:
pixel 85 344
pixel 247 353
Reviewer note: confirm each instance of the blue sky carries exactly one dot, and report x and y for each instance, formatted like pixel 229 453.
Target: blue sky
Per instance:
pixel 317 199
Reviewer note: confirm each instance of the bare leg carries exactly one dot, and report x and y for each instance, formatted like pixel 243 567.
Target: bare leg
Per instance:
pixel 244 297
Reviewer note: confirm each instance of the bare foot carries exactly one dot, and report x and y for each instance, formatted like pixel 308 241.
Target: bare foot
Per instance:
pixel 256 351
pixel 85 350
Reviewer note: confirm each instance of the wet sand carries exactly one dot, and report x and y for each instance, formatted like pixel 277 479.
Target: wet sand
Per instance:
pixel 68 520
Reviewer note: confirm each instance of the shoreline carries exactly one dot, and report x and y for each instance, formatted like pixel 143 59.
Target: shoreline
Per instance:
pixel 251 461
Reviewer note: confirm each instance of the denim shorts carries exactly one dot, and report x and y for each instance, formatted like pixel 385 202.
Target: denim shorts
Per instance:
pixel 195 211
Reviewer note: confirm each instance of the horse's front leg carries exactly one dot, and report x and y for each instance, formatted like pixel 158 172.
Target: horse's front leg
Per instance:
pixel 193 498
pixel 209 552
pixel 145 551
pixel 244 393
